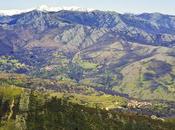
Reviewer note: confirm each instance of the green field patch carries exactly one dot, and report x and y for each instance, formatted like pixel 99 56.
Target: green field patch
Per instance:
pixel 87 65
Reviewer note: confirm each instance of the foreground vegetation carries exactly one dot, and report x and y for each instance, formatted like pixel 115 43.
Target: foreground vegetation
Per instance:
pixel 35 104
pixel 33 110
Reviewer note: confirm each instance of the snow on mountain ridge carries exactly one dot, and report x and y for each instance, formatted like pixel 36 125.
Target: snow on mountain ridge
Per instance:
pixel 56 8
pixel 13 12
pixel 43 8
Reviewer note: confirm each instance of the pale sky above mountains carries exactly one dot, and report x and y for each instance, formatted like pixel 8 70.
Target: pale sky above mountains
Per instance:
pixel 121 6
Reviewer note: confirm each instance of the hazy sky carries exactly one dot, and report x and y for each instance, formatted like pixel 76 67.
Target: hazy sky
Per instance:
pixel 127 6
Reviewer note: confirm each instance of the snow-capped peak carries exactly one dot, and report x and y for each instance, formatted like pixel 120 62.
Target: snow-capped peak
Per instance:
pixel 43 8
pixel 56 8
pixel 11 12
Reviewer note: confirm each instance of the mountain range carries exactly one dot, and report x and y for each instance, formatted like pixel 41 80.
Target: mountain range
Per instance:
pixel 126 53
pixel 85 69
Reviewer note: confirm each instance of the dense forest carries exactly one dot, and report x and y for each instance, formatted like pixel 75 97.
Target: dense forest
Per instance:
pixel 33 110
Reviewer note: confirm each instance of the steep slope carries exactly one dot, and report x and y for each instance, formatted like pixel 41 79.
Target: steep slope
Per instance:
pixel 141 71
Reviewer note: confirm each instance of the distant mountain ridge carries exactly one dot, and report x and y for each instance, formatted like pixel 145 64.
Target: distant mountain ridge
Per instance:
pixel 153 29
